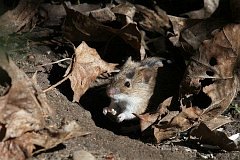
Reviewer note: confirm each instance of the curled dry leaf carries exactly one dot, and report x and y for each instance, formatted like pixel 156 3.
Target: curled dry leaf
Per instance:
pixel 103 15
pixel 216 138
pixel 210 81
pixel 149 119
pixel 79 26
pixel 178 123
pixel 209 85
pixel 125 9
pixel 26 117
pixel 85 68
pixel 208 9
pixel 190 33
pixel 21 108
pixel 150 20
pixel 15 20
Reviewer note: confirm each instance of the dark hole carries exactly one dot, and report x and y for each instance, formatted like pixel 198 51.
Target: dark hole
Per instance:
pixel 210 73
pixel 213 61
pixel 56 74
pixel 5 81
pixel 56 148
pixel 201 100
pixel 206 82
pixel 94 100
pixel 2 132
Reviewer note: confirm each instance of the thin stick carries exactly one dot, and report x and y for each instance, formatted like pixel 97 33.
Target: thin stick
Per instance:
pixel 55 62
pixel 56 84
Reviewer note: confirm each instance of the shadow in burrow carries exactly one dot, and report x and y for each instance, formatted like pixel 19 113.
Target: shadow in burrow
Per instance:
pixel 95 99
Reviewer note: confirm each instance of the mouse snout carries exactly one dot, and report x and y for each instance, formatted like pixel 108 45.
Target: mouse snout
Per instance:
pixel 112 91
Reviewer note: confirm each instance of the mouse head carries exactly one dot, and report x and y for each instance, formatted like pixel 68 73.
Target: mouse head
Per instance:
pixel 131 80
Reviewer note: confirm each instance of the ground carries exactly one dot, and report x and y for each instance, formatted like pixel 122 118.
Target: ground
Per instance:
pixel 104 142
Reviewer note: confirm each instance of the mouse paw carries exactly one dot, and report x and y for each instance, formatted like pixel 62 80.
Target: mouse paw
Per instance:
pixel 107 110
pixel 121 117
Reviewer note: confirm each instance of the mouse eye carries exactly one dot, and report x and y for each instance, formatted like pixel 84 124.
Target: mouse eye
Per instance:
pixel 127 84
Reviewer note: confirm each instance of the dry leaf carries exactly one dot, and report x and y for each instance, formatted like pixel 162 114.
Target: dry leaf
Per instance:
pixel 179 123
pixel 218 121
pixel 209 85
pixel 81 27
pixel 216 138
pixel 150 20
pixel 190 33
pixel 24 107
pixel 85 68
pixel 15 20
pixel 26 119
pixel 210 81
pixel 125 9
pixel 103 15
pixel 208 9
pixel 149 119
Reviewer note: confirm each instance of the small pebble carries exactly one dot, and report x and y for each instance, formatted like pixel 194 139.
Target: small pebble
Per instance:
pixel 83 155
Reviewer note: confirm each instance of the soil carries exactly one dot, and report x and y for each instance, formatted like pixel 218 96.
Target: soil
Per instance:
pixel 106 141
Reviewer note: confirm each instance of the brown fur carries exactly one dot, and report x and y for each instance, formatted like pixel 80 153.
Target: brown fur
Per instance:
pixel 142 78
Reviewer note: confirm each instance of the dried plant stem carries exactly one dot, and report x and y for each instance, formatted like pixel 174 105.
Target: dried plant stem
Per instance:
pixel 61 60
pixel 56 84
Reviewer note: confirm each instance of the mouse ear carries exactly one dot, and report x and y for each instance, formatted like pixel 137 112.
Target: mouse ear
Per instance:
pixel 148 74
pixel 129 60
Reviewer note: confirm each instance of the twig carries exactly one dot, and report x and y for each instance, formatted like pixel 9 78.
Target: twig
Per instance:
pixel 56 84
pixel 55 62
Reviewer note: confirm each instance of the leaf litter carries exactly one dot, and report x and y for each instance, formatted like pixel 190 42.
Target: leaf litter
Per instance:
pixel 210 77
pixel 209 84
pixel 26 120
pixel 86 66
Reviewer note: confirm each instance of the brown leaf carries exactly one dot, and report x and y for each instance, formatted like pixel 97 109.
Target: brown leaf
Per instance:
pixel 208 9
pixel 17 105
pixel 178 24
pixel 81 27
pixel 130 34
pixel 210 81
pixel 218 121
pixel 25 145
pixel 149 119
pixel 103 15
pixel 51 137
pixel 26 119
pixel 216 138
pixel 15 20
pixel 150 20
pixel 190 33
pixel 126 9
pixel 179 123
pixel 209 85
pixel 85 68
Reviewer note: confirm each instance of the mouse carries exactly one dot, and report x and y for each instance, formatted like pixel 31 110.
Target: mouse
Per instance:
pixel 131 89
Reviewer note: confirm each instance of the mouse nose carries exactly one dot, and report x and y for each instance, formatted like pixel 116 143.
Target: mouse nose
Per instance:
pixel 112 91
